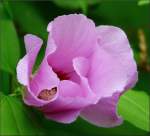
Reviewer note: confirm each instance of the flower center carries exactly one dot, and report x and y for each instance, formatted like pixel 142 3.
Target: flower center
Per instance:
pixel 62 76
pixel 47 94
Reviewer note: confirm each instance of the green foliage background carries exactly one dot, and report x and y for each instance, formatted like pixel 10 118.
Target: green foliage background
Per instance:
pixel 20 17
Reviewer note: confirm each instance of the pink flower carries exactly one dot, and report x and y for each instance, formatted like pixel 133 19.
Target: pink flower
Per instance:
pixel 84 71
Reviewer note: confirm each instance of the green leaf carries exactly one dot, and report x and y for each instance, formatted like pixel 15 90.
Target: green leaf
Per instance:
pixel 16 119
pixel 4 82
pixel 124 14
pixel 136 119
pixel 9 43
pixel 143 2
pixel 143 82
pixel 7 7
pixel 85 128
pixel 71 4
pixel 76 4
pixel 28 18
pixel 134 107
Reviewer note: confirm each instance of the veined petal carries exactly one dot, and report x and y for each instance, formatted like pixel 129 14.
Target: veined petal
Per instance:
pixel 67 106
pixel 81 66
pixel 67 99
pixel 114 41
pixel 45 79
pixel 74 35
pixel 32 100
pixel 25 65
pixel 38 82
pixel 84 71
pixel 106 75
pixel 63 116
pixel 113 70
pixel 65 109
pixel 104 113
pixel 113 67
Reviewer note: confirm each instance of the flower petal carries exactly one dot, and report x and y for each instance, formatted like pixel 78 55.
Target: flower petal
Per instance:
pixel 32 100
pixel 70 95
pixel 70 89
pixel 103 113
pixel 44 79
pixel 24 67
pixel 113 70
pixel 74 35
pixel 106 75
pixel 68 104
pixel 112 66
pixel 64 116
pixel 81 66
pixel 114 41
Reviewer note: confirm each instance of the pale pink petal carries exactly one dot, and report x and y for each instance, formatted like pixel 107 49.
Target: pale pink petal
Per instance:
pixel 114 41
pixel 70 89
pixel 31 41
pixel 64 116
pixel 106 75
pixel 49 27
pixel 37 82
pixel 68 104
pixel 74 35
pixel 24 67
pixel 84 71
pixel 81 66
pixel 104 113
pixel 112 66
pixel 65 109
pixel 113 70
pixel 43 79
pixel 51 46
pixel 70 97
pixel 32 100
